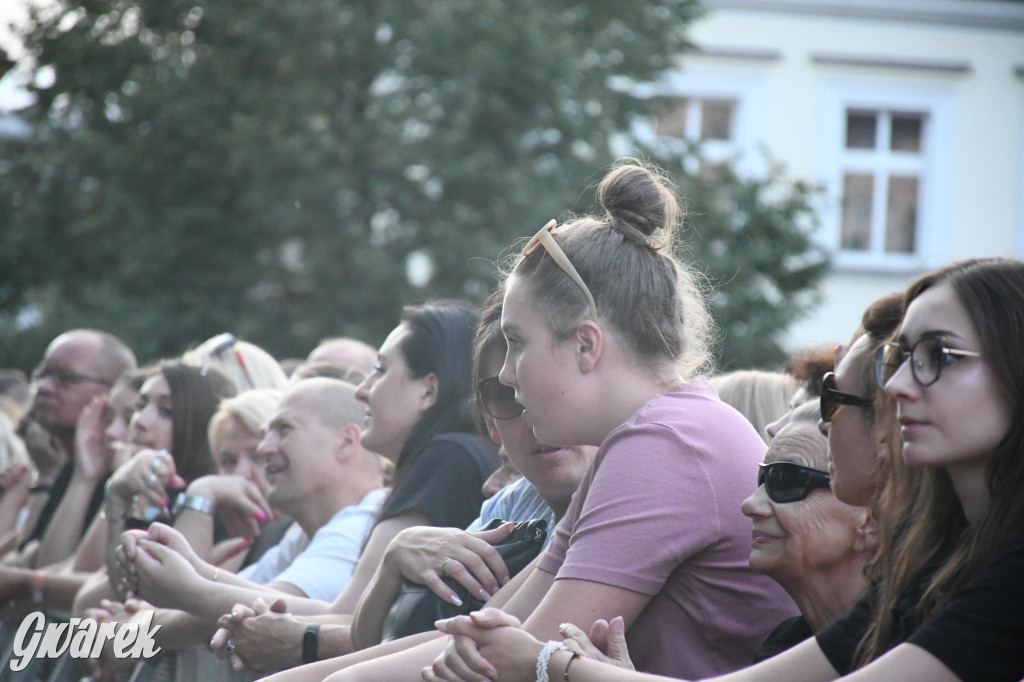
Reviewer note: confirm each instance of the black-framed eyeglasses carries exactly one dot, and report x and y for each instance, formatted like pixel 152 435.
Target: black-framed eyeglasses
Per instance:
pixel 498 400
pixel 927 358
pixel 832 399
pixel 64 377
pixel 790 482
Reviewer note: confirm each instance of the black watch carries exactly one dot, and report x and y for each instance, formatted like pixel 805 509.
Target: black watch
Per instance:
pixel 311 643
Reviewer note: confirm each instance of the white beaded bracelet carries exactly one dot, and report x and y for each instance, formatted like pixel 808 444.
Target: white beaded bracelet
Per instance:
pixel 545 656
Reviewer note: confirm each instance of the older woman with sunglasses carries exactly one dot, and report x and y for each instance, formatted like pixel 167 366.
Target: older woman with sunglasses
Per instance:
pixel 804 538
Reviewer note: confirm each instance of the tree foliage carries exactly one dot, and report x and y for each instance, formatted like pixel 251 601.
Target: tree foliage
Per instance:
pixel 273 168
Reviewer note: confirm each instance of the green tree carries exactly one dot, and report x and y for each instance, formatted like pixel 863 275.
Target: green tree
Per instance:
pixel 273 168
pixel 752 238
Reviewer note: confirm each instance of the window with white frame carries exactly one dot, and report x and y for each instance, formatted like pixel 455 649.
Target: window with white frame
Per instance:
pixel 883 166
pixel 886 157
pixel 708 121
pixel 711 109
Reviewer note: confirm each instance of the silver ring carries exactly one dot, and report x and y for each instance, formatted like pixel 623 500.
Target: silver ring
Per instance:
pixel 229 648
pixel 444 563
pixel 151 480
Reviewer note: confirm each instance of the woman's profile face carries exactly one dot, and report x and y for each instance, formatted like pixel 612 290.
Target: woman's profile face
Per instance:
pixel 793 540
pixel 539 367
pixel 152 424
pixel 238 454
pixel 554 471
pixel 958 421
pixel 120 408
pixel 395 401
pixel 853 455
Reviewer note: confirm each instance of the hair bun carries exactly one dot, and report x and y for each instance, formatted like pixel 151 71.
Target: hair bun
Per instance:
pixel 639 203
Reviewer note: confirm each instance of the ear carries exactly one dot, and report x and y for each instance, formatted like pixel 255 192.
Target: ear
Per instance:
pixel 867 532
pixel 349 438
pixel 492 428
pixel 589 345
pixel 428 395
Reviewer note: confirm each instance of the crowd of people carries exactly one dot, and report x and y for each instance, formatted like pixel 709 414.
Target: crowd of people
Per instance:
pixel 857 513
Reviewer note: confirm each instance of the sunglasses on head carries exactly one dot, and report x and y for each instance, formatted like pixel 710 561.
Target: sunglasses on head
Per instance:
pixel 789 482
pixel 832 399
pixel 498 400
pixel 544 238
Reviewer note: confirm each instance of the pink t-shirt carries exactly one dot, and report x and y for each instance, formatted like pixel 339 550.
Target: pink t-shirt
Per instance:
pixel 658 512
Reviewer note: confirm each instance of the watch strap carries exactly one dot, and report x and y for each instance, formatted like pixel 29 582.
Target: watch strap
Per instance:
pixel 194 502
pixel 311 643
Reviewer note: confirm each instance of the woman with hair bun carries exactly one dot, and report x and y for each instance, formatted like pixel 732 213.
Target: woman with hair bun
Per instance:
pixel 607 331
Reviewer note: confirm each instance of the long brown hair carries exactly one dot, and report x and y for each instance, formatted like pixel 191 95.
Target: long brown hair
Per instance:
pixel 923 525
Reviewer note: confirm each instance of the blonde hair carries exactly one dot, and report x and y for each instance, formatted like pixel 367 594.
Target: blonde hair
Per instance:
pixel 12 449
pixel 252 409
pixel 246 364
pixel 761 397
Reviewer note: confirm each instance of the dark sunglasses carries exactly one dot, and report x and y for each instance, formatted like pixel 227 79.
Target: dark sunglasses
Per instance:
pixel 498 400
pixel 832 399
pixel 788 482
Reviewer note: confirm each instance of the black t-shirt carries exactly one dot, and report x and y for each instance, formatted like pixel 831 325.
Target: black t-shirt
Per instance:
pixel 60 484
pixel 444 481
pixel 786 635
pixel 978 634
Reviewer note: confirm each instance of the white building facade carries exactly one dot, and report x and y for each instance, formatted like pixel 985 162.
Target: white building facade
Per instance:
pixel 909 113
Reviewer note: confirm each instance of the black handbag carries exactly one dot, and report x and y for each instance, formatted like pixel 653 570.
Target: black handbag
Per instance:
pixel 417 607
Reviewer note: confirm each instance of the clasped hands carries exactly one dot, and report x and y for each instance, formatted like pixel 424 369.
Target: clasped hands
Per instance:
pixel 491 644
pixel 160 566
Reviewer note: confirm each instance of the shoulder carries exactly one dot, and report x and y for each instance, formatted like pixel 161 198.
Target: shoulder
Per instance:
pixel 690 419
pixel 457 449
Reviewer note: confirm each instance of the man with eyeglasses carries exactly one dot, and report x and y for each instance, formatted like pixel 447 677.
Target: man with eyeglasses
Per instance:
pixel 78 365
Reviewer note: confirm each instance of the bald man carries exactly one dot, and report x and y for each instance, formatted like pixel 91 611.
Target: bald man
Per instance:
pixel 78 365
pixel 321 476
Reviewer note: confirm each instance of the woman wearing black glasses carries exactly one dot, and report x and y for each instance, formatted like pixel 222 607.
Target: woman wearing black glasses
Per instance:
pixel 856 416
pixel 949 600
pixel 804 538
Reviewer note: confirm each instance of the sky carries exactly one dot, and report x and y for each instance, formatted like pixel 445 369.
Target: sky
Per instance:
pixel 11 96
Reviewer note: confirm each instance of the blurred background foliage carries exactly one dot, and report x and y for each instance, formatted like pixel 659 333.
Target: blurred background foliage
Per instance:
pixel 289 171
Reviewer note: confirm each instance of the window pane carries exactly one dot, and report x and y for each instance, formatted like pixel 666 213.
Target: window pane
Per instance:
pixel 858 194
pixel 670 117
pixel 860 129
pixel 716 119
pixel 906 133
pixel 901 214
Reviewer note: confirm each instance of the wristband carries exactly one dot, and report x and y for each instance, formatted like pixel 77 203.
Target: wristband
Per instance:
pixel 311 643
pixel 545 656
pixel 565 676
pixel 38 587
pixel 194 502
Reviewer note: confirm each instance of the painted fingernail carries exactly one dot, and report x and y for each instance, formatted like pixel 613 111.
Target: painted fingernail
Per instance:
pixel 483 594
pixel 455 600
pixel 260 515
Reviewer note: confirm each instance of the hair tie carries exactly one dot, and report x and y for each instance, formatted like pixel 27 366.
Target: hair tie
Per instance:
pixel 611 223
